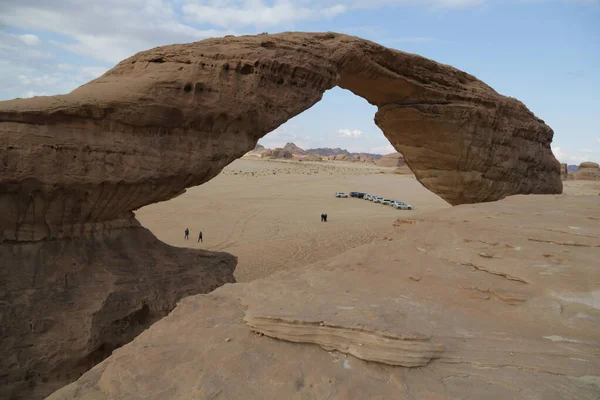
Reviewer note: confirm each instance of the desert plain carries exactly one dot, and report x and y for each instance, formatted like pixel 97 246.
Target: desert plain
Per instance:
pixel 488 301
pixel 267 213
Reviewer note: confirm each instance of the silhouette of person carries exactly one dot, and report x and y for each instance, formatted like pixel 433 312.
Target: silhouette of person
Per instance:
pixel 200 237
pixel 187 234
pixel 325 217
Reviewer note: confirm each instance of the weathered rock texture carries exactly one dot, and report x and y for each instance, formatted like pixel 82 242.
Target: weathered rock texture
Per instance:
pixel 510 289
pixel 276 153
pixel 564 172
pixel 174 116
pixel 391 160
pixel 370 344
pixel 75 166
pixel 588 171
pixel 66 304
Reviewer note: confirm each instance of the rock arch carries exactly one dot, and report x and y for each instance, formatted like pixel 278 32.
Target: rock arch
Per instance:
pixel 74 167
pixel 172 117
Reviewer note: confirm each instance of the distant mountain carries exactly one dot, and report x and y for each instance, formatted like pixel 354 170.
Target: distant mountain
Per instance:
pixel 328 151
pixel 292 148
pixel 572 168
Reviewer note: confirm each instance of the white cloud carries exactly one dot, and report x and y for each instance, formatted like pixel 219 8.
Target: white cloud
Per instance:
pixel 44 80
pixel 108 31
pixel 386 149
pixel 28 39
pixel 353 134
pixel 256 13
pixel 31 93
pixel 430 4
pixel 563 157
pixel 586 150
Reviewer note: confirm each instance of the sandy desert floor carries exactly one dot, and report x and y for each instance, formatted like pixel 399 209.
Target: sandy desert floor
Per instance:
pixel 267 213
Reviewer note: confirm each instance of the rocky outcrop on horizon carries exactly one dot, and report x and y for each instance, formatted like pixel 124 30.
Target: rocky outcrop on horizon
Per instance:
pixel 564 172
pixel 76 166
pixel 587 171
pixel 273 154
pixel 395 160
pixel 413 316
pixel 328 151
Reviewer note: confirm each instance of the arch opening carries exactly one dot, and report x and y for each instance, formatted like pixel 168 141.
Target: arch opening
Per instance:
pixel 139 134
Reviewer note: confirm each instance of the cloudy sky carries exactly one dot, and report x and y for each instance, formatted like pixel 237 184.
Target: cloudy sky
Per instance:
pixel 543 52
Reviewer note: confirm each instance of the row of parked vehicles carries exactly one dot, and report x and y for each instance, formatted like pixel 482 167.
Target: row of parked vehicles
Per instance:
pixel 400 205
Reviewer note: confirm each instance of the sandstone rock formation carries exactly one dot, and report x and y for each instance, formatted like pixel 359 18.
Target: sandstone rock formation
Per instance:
pixel 202 105
pixel 65 305
pixel 276 153
pixel 75 167
pixel 588 164
pixel 391 160
pixel 366 159
pixel 312 157
pixel 341 157
pixel 564 172
pixel 588 171
pixel 509 289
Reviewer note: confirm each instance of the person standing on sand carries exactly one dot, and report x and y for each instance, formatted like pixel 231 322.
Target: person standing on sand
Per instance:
pixel 187 234
pixel 200 237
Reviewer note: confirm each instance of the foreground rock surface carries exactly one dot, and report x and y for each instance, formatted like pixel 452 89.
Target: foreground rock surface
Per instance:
pixel 172 117
pixel 510 289
pixel 66 305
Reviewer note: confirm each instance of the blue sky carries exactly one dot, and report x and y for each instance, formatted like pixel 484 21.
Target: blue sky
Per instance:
pixel 543 52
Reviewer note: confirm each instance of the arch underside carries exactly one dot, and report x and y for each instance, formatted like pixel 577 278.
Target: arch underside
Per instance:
pixel 172 117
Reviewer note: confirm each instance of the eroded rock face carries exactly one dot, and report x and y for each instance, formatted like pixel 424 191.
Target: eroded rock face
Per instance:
pixel 276 153
pixel 172 117
pixel 589 164
pixel 74 167
pixel 65 305
pixel 508 288
pixel 391 160
pixel 588 171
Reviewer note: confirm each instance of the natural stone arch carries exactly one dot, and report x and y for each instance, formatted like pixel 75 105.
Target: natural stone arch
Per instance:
pixel 75 166
pixel 172 117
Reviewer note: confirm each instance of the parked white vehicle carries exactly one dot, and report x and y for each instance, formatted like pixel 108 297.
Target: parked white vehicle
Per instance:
pixel 400 205
pixel 341 195
pixel 367 197
pixel 387 202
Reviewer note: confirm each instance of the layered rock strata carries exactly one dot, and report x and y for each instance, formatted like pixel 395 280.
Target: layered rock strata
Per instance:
pixel 65 305
pixel 74 167
pixel 386 347
pixel 173 116
pixel 588 171
pixel 391 160
pixel 510 289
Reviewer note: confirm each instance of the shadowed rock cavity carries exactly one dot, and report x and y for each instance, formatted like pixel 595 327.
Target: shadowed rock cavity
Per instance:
pixel 65 305
pixel 172 117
